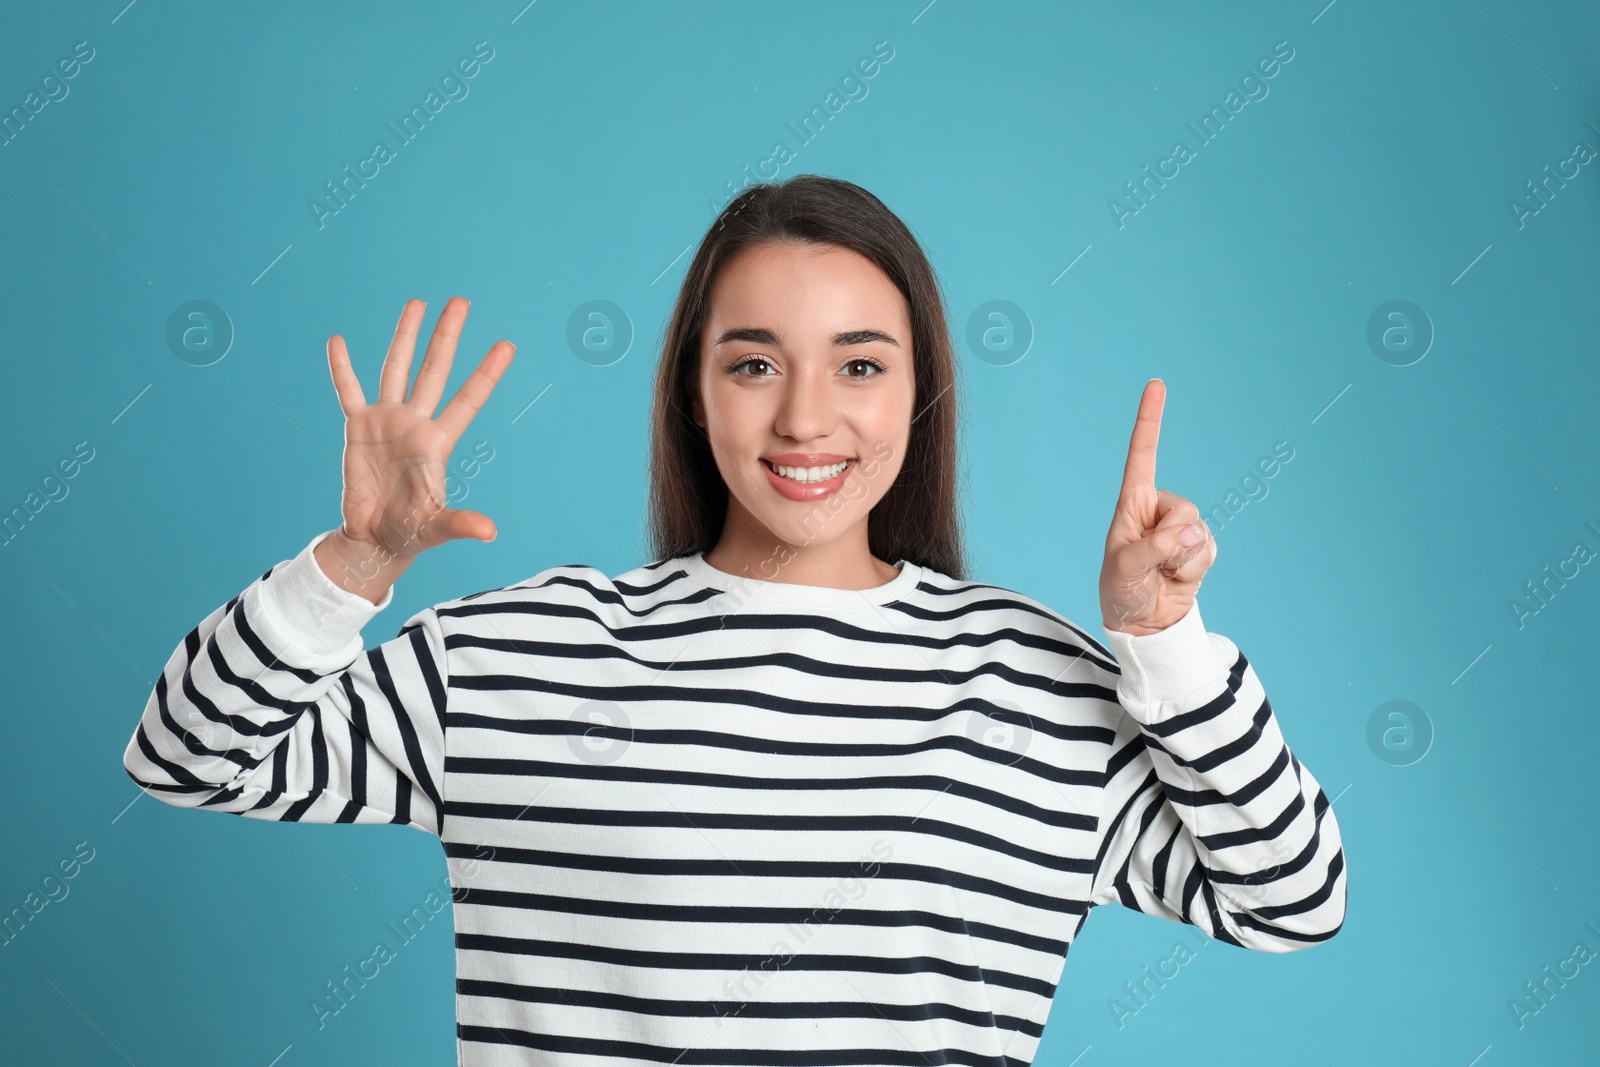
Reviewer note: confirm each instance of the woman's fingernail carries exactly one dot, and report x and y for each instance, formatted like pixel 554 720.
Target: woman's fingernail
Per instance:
pixel 1191 535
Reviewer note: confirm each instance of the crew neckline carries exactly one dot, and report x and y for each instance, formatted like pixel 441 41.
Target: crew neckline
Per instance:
pixel 819 596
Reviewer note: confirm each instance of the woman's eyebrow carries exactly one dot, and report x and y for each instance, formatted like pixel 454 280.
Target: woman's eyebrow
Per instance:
pixel 761 335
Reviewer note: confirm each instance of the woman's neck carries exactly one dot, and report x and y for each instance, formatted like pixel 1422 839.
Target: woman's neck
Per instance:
pixel 845 562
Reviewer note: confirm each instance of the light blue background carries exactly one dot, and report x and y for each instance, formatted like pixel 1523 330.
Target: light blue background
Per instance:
pixel 587 159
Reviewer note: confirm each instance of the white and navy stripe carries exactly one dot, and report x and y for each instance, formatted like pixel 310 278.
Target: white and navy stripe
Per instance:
pixel 691 819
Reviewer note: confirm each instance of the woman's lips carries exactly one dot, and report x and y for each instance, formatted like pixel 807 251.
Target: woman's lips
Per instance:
pixel 808 490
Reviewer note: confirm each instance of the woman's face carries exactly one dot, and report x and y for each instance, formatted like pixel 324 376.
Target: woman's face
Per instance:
pixel 805 363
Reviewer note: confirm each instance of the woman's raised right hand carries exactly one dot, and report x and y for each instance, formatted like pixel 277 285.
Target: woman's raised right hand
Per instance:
pixel 396 452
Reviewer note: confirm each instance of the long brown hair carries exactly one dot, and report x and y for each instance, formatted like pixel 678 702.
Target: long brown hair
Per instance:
pixel 919 518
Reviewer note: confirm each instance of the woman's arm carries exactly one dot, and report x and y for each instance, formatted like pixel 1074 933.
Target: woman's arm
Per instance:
pixel 1208 818
pixel 270 709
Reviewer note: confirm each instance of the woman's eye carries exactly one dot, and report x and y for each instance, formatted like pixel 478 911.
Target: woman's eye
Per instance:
pixel 737 367
pixel 872 367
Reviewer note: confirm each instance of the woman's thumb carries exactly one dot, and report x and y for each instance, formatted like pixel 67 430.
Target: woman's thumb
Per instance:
pixel 1173 544
pixel 470 524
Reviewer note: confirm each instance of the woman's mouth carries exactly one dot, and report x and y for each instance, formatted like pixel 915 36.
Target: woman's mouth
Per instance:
pixel 807 483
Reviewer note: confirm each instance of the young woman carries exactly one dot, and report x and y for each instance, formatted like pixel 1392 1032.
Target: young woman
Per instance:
pixel 797 792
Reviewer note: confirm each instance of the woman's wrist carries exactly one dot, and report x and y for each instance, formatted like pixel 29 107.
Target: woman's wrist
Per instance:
pixel 359 567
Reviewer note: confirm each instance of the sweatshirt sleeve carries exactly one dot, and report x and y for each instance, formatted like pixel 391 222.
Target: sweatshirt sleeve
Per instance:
pixel 1208 818
pixel 270 709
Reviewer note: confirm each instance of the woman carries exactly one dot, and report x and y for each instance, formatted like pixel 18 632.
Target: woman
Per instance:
pixel 797 791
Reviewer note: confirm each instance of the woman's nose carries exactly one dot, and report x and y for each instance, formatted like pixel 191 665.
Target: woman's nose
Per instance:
pixel 805 412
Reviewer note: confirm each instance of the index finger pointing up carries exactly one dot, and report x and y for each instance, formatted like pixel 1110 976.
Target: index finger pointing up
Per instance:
pixel 1141 466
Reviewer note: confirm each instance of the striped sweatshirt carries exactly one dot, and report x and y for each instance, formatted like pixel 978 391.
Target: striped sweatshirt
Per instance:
pixel 690 817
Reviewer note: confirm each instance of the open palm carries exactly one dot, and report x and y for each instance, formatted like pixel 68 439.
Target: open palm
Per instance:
pixel 396 452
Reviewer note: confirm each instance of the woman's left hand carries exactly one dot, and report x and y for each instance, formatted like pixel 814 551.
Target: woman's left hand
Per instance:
pixel 1151 575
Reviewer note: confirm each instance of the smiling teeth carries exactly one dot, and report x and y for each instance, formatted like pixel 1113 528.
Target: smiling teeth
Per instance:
pixel 807 475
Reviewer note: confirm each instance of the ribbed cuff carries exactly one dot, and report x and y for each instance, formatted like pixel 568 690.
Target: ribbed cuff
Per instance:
pixel 1166 665
pixel 312 622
